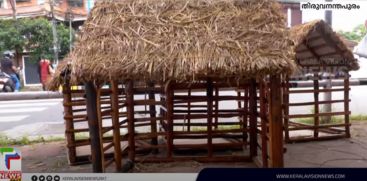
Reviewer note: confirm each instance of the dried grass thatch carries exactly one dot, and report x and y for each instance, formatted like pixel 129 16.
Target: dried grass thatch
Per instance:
pixel 182 40
pixel 317 40
pixel 62 73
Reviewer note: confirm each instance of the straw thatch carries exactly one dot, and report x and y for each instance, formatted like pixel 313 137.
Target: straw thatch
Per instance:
pixel 61 75
pixel 316 40
pixel 182 40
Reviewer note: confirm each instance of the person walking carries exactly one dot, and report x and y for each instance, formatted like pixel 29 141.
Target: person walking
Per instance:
pixel 46 72
pixel 8 67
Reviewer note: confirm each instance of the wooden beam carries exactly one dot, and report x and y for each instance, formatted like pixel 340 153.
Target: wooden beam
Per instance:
pixel 169 117
pixel 152 113
pixel 130 118
pixel 346 104
pixel 116 125
pixel 209 94
pixel 95 139
pixel 264 127
pixel 253 117
pixel 286 107
pixel 316 105
pixel 275 123
pixel 69 122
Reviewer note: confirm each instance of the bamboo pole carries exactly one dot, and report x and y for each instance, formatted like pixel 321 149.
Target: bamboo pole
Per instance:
pixel 69 123
pixel 316 106
pixel 116 125
pixel 189 111
pixel 263 117
pixel 152 113
pixel 286 108
pixel 216 107
pixel 169 117
pixel 130 118
pixel 275 123
pixel 96 147
pixel 253 118
pixel 346 105
pixel 209 94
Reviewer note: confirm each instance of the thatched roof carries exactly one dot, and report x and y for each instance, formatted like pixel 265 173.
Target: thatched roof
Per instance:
pixel 182 40
pixel 317 44
pixel 61 75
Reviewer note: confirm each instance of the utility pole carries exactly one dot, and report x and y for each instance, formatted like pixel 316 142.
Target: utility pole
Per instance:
pixel 70 18
pixel 13 5
pixel 54 33
pixel 328 95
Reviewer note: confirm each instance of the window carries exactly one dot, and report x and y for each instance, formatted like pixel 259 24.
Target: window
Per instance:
pixel 75 3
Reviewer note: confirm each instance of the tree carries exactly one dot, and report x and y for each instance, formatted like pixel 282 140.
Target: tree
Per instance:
pixel 10 36
pixel 34 36
pixel 356 34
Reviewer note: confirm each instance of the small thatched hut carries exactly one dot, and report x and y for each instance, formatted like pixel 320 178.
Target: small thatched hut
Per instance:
pixel 323 57
pixel 173 47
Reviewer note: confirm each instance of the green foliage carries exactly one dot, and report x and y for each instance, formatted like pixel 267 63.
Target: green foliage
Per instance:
pixel 334 119
pixel 10 36
pixel 356 34
pixel 26 140
pixel 33 35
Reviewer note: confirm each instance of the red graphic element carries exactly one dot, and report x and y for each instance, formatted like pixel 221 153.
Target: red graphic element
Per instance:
pixel 9 157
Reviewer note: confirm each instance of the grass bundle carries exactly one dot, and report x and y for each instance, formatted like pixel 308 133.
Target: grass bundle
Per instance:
pixel 182 40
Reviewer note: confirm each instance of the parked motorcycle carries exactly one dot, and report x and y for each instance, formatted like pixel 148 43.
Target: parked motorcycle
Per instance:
pixel 6 83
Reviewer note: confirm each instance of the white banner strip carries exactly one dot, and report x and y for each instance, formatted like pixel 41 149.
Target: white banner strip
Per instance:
pixel 335 5
pixel 109 176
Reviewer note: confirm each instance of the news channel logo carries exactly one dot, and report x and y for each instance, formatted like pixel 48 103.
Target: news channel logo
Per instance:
pixel 10 164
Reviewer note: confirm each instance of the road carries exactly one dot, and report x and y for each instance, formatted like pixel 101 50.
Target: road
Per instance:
pixel 31 117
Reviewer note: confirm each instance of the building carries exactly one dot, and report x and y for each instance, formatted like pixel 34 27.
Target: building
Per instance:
pixel 292 9
pixel 63 9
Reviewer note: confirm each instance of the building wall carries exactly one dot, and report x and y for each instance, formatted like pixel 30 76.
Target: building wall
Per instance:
pixel 295 13
pixel 77 10
pixel 26 3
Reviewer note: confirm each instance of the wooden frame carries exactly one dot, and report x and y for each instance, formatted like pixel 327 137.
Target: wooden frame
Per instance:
pixel 320 131
pixel 180 108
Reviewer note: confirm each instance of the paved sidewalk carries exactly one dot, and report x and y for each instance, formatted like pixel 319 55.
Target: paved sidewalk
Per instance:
pixel 352 153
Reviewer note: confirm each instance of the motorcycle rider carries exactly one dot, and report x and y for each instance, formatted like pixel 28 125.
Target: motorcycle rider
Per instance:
pixel 8 67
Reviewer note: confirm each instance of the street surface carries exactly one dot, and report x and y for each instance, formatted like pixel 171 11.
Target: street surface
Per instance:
pixel 31 117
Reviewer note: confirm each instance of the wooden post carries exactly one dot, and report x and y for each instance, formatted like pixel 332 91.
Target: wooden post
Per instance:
pixel 244 120
pixel 264 128
pixel 69 125
pixel 275 123
pixel 253 117
pixel 316 98
pixel 169 117
pixel 95 137
pixel 209 94
pixel 130 118
pixel 346 104
pixel 189 111
pixel 116 125
pixel 216 107
pixel 286 108
pixel 152 112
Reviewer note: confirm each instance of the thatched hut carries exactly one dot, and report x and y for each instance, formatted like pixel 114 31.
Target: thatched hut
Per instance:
pixel 323 57
pixel 172 47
